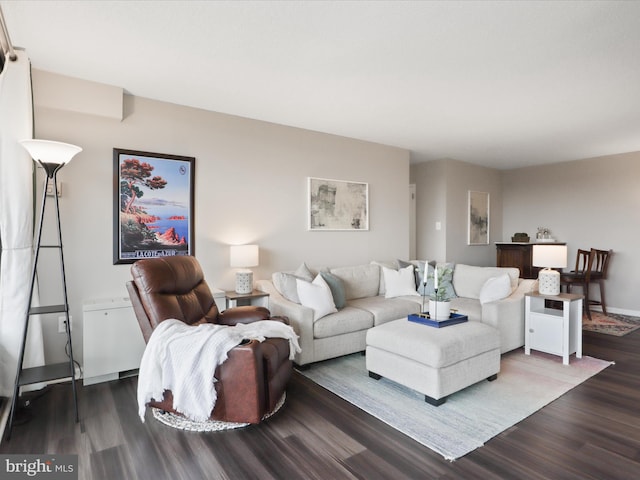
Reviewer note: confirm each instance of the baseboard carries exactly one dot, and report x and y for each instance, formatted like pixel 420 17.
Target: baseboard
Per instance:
pixel 619 311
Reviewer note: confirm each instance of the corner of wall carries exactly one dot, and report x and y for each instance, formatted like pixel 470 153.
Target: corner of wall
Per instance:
pixel 59 92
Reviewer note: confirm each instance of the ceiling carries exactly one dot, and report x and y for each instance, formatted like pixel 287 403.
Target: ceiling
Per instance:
pixel 497 83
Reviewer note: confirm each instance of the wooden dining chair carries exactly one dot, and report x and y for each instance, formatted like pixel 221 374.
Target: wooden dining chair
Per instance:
pixel 580 276
pixel 598 274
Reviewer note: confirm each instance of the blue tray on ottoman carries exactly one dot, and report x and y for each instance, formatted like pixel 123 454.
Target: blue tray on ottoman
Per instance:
pixel 425 319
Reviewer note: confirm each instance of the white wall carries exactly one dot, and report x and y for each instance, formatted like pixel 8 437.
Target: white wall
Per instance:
pixel 431 207
pixel 442 196
pixel 586 203
pixel 251 187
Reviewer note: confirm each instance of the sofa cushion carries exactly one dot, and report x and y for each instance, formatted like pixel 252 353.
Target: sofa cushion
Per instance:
pixel 469 279
pixel 399 282
pixel 359 281
pixel 285 282
pixel 347 320
pixel 337 289
pixel 386 309
pixel 317 296
pixel 495 288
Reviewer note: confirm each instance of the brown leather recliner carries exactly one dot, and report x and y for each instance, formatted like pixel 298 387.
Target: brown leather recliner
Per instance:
pixel 253 378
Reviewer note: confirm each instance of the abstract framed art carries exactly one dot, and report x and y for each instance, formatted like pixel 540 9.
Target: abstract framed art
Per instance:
pixel 478 226
pixel 337 205
pixel 153 201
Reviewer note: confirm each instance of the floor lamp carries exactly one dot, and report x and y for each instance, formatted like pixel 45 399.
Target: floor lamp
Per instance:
pixel 52 156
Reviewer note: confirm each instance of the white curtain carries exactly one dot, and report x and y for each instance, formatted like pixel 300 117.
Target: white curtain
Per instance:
pixel 16 222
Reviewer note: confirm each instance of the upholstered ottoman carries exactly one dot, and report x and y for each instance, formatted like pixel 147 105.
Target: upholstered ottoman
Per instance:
pixel 433 361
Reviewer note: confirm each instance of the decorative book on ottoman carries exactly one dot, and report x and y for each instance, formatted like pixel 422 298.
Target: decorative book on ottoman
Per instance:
pixel 425 319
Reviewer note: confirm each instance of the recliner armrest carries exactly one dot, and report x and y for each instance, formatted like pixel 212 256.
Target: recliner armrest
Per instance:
pixel 245 314
pixel 242 384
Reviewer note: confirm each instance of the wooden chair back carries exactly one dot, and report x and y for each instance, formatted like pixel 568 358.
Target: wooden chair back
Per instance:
pixel 600 265
pixel 584 263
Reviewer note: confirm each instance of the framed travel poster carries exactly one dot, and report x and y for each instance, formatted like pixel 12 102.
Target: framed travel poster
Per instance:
pixel 153 200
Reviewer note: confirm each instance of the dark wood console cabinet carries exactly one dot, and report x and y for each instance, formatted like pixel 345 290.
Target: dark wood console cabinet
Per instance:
pixel 519 255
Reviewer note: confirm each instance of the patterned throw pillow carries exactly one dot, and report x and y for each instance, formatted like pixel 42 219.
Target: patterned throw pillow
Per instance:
pixel 445 279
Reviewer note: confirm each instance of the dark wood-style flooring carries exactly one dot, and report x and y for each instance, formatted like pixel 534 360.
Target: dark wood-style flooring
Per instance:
pixel 592 432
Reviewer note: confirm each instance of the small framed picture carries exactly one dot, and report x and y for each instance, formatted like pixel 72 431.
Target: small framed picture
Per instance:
pixel 153 200
pixel 478 218
pixel 337 205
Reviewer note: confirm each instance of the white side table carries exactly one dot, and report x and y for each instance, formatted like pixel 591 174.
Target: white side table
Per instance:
pixel 255 298
pixel 554 331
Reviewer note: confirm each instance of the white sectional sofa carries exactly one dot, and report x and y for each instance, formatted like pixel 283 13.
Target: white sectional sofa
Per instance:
pixel 366 305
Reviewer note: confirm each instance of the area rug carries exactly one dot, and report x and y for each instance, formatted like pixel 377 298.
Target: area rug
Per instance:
pixel 182 423
pixel 611 324
pixel 469 418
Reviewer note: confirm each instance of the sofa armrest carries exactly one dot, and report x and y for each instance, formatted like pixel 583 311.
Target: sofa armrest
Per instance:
pixel 300 318
pixel 507 315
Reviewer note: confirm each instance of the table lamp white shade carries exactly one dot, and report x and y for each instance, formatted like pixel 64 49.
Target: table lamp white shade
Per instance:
pixel 243 256
pixel 548 257
pixel 48 151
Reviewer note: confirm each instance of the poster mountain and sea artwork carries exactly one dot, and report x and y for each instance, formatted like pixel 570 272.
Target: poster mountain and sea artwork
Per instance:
pixel 155 207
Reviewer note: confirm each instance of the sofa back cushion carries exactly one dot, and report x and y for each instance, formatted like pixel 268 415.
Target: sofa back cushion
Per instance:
pixel 469 279
pixel 359 281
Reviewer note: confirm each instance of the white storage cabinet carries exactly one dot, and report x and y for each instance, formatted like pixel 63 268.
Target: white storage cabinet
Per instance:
pixel 112 340
pixel 554 331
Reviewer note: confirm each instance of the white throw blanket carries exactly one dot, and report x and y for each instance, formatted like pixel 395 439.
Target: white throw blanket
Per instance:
pixel 183 358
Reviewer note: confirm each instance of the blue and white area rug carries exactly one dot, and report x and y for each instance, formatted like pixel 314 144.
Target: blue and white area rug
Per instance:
pixel 469 418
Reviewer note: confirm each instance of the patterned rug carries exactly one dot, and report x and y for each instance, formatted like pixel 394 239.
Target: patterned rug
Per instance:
pixel 470 417
pixel 612 324
pixel 182 423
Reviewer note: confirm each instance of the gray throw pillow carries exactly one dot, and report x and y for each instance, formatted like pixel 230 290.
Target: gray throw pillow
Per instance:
pixel 285 282
pixel 337 289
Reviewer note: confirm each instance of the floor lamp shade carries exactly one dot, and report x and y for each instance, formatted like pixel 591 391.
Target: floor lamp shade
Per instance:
pixel 548 257
pixel 243 256
pixel 51 155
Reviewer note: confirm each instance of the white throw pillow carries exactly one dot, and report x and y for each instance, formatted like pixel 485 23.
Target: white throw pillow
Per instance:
pixel 399 282
pixel 495 288
pixel 317 296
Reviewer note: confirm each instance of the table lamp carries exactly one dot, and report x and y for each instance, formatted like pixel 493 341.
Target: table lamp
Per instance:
pixel 243 256
pixel 548 257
